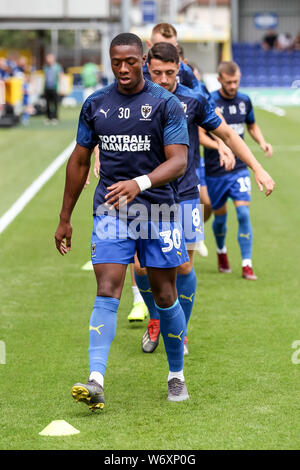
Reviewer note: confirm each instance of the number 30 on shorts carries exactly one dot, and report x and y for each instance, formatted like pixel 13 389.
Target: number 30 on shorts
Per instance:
pixel 171 239
pixel 245 184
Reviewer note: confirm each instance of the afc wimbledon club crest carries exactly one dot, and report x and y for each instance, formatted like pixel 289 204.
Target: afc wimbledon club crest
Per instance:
pixel 146 110
pixel 242 107
pixel 184 105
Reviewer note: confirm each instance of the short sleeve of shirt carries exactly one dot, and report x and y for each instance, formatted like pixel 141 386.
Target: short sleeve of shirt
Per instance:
pixel 250 119
pixel 187 76
pixel 86 136
pixel 175 130
pixel 206 117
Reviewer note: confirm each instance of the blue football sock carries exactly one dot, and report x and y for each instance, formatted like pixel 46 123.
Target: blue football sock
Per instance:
pixel 244 231
pixel 172 327
pixel 102 330
pixel 220 229
pixel 144 287
pixel 186 288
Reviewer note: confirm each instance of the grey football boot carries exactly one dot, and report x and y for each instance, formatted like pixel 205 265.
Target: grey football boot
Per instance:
pixel 177 390
pixel 90 393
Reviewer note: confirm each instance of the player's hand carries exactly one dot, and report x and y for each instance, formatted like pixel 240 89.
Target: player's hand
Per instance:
pixel 263 179
pixel 268 149
pixel 63 237
pixel 227 158
pixel 121 193
pixel 87 180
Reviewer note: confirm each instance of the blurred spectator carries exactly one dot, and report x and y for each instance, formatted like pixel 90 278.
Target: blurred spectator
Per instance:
pixel 52 71
pixel 21 66
pixel 27 108
pixel 4 73
pixel 90 78
pixel 269 40
pixel 297 42
pixel 284 42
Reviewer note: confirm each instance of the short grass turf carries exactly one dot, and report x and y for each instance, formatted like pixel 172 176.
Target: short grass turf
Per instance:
pixel 243 385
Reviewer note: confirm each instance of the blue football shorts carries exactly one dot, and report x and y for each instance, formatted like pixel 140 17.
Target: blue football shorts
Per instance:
pixel 157 244
pixel 192 222
pixel 201 172
pixel 234 185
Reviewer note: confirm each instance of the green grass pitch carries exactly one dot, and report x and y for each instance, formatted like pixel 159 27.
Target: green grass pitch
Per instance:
pixel 243 385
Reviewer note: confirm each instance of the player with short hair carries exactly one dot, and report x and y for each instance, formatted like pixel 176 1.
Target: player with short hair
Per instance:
pixel 237 110
pixel 163 64
pixel 165 32
pixel 142 134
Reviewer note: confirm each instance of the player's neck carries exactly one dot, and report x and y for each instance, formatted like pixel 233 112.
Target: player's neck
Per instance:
pixel 225 95
pixel 132 91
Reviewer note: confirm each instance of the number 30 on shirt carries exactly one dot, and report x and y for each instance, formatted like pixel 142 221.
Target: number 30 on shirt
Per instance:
pixel 124 113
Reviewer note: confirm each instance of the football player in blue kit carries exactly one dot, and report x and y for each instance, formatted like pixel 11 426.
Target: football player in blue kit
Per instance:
pixel 165 32
pixel 163 64
pixel 237 110
pixel 162 32
pixel 142 134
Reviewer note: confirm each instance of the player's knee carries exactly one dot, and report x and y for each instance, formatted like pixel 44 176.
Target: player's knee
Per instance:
pixel 109 288
pixel 185 268
pixel 243 214
pixel 165 299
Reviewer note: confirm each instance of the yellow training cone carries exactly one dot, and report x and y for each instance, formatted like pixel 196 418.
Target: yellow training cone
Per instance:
pixel 87 266
pixel 59 428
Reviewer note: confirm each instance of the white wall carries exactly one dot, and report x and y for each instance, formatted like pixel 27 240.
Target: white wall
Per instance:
pixel 91 9
pixel 288 14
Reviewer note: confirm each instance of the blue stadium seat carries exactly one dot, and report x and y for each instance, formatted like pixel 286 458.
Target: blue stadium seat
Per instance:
pixel 248 81
pixel 274 70
pixel 286 80
pixel 274 80
pixel 262 81
pixel 261 70
pixel 295 70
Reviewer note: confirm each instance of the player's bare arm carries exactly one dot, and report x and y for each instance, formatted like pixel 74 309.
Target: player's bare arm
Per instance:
pixel 96 166
pixel 227 158
pixel 124 192
pixel 239 148
pixel 76 174
pixel 97 161
pixel 256 134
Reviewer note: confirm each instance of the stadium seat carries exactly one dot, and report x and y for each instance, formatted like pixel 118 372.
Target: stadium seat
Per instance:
pixel 248 81
pixel 274 70
pixel 286 80
pixel 274 80
pixel 262 81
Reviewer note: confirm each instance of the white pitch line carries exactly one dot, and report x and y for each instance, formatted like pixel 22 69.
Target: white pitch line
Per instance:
pixel 34 188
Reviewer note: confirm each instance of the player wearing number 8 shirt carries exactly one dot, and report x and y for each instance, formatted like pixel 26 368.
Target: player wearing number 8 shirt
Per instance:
pixel 237 110
pixel 163 63
pixel 142 134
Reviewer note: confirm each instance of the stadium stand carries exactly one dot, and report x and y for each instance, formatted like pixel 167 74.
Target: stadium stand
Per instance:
pixel 262 68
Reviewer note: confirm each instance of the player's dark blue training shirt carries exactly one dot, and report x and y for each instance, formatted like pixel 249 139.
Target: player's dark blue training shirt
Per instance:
pixel 237 112
pixel 198 112
pixel 132 131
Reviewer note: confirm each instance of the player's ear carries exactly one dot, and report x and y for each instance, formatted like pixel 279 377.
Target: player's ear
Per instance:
pixel 218 78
